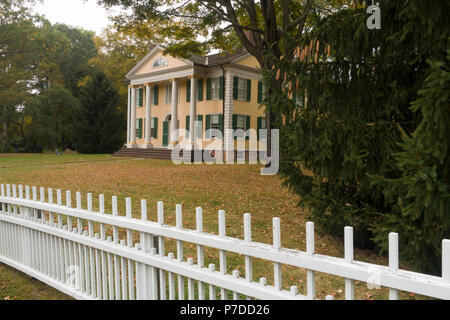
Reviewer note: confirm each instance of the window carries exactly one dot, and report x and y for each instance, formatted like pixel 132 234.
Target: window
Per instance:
pixel 215 88
pixel 213 127
pixel 161 62
pixel 216 127
pixel 139 129
pixel 154 128
pixel 240 123
pixel 242 89
pixel 168 94
pixel 139 97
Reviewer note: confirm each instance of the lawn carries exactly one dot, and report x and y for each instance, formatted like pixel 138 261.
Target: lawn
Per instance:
pixel 237 189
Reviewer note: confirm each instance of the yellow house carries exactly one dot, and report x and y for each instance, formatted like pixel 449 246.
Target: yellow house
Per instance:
pixel 199 100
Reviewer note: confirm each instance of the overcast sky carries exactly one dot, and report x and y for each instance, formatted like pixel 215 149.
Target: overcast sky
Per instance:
pixel 85 14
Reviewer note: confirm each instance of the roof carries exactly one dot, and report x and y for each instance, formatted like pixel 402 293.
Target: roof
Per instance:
pixel 216 59
pixel 203 61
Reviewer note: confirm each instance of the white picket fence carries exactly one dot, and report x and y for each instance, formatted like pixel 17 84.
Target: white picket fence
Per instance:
pixel 38 237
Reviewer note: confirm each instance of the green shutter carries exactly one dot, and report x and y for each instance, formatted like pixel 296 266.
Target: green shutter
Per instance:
pixel 247 127
pixel 235 87
pixel 221 88
pixel 140 128
pixel 200 128
pixel 188 91
pixel 249 90
pixel 208 89
pixel 200 89
pixel 208 126
pixel 188 125
pixel 165 141
pixel 234 125
pixel 155 95
pixel 260 92
pixel 155 128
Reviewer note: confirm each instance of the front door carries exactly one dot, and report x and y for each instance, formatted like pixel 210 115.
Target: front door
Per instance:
pixel 165 142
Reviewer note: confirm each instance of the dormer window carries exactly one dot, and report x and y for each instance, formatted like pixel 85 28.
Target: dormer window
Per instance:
pixel 161 62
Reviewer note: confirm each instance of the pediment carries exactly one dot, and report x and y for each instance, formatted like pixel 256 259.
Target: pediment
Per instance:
pixel 156 61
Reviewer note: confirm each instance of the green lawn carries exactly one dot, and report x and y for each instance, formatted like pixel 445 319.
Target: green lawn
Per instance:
pixel 237 189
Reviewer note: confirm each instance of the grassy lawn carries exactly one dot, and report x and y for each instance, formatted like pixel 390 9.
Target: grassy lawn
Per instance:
pixel 237 189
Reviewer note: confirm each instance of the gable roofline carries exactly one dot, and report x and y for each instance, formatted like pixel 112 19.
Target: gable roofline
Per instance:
pixel 148 57
pixel 243 56
pixel 213 60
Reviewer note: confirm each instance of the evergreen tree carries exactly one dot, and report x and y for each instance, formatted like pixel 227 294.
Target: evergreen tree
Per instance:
pixel 48 120
pixel 99 126
pixel 364 129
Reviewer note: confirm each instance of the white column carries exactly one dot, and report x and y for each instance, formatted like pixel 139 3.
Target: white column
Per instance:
pixel 133 118
pixel 174 121
pixel 128 117
pixel 228 118
pixel 193 110
pixel 148 116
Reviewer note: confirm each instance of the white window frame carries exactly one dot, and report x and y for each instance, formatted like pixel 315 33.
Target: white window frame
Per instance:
pixel 168 99
pixel 139 105
pixel 244 128
pixel 137 127
pixel 152 127
pixel 244 117
pixel 215 127
pixel 242 89
pixel 215 89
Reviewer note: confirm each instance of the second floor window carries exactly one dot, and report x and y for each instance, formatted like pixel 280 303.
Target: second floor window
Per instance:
pixel 242 89
pixel 215 88
pixel 168 94
pixel 139 97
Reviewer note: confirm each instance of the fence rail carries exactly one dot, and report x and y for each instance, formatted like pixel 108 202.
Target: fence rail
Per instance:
pixel 57 244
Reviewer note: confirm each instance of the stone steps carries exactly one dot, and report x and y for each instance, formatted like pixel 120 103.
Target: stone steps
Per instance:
pixel 155 153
